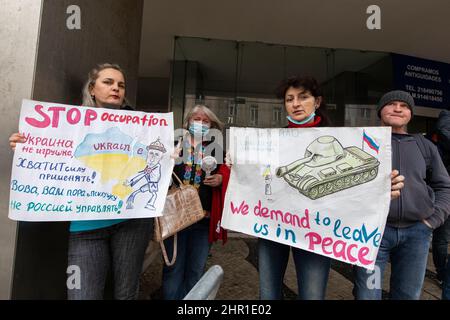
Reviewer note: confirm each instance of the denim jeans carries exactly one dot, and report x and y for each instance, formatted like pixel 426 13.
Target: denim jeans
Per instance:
pixel 312 271
pixel 192 254
pixel 407 250
pixel 441 237
pixel 119 248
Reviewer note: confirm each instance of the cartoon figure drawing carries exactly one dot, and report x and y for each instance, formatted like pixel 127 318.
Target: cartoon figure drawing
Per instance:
pixel 151 173
pixel 328 168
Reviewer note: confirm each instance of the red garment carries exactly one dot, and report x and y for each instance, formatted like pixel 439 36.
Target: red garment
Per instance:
pixel 315 123
pixel 218 199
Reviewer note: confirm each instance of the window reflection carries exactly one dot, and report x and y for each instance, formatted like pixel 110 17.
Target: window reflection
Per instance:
pixel 237 80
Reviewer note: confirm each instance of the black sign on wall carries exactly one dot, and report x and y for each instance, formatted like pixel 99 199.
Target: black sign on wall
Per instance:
pixel 426 80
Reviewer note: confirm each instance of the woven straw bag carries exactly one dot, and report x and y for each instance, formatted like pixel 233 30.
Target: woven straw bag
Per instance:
pixel 181 209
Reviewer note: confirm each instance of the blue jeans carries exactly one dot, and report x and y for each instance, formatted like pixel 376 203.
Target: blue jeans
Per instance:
pixel 312 271
pixel 441 237
pixel 120 247
pixel 407 250
pixel 192 253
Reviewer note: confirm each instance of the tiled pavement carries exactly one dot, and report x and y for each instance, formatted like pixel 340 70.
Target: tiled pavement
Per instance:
pixel 238 259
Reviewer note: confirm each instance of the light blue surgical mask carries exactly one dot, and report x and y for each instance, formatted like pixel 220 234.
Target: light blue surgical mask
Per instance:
pixel 311 116
pixel 198 129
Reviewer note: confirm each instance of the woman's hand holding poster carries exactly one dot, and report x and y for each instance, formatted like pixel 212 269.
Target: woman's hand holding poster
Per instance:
pixel 325 190
pixel 83 163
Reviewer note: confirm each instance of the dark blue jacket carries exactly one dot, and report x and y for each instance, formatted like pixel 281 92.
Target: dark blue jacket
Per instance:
pixel 421 198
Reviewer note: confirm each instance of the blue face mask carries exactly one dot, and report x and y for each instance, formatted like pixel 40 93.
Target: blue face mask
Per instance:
pixel 198 129
pixel 312 115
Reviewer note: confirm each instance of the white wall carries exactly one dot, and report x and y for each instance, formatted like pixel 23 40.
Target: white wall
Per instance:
pixel 20 20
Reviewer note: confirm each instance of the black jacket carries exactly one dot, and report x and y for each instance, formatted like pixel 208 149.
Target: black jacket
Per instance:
pixel 419 199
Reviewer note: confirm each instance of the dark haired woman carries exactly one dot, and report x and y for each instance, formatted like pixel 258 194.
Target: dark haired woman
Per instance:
pixel 100 246
pixel 305 107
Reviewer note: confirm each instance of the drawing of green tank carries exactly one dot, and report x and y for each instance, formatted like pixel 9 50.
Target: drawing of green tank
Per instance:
pixel 328 168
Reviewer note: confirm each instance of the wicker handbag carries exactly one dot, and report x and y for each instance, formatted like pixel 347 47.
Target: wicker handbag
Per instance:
pixel 181 209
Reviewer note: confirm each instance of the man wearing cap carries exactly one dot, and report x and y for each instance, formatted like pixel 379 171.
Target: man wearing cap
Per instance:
pixel 423 205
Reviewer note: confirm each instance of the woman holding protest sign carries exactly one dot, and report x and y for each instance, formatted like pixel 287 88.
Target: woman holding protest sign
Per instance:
pixel 194 242
pixel 305 107
pixel 95 247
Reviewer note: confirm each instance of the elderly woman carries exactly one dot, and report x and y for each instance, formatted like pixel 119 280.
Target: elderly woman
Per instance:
pixel 102 245
pixel 193 243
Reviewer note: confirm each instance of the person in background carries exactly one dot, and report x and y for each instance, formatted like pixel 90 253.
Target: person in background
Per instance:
pixel 100 246
pixel 194 242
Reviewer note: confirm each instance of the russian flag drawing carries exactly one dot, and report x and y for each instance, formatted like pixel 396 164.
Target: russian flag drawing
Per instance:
pixel 370 142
